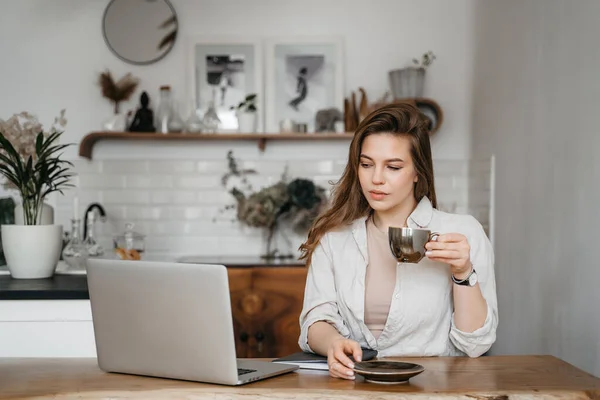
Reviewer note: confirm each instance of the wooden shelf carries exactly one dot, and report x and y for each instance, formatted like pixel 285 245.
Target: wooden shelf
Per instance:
pixel 87 143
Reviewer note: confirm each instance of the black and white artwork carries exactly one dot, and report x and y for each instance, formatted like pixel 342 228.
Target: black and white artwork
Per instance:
pixel 301 80
pixel 304 72
pixel 224 72
pixel 225 79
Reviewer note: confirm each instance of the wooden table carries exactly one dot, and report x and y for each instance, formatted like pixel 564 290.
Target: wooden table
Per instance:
pixel 490 378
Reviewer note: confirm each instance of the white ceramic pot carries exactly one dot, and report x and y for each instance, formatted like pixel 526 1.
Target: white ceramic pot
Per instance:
pixel 407 82
pixel 246 122
pixel 32 251
pixel 45 218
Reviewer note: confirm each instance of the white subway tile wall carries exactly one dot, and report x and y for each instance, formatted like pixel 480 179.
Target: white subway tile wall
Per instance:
pixel 178 203
pixel 479 191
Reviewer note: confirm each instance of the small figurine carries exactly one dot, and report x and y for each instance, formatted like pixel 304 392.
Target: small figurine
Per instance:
pixel 325 119
pixel 143 121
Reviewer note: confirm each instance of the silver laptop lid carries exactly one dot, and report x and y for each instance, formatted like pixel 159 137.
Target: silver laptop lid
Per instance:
pixel 163 319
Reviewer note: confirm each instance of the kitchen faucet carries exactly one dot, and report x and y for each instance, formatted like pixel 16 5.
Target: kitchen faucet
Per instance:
pixel 91 209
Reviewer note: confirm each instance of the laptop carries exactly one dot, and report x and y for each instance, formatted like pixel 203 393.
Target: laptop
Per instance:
pixel 168 320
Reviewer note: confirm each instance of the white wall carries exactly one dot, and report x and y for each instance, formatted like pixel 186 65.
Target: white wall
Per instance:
pixel 536 101
pixel 53 51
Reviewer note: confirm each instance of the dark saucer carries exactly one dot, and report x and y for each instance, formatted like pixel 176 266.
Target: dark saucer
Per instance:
pixel 387 372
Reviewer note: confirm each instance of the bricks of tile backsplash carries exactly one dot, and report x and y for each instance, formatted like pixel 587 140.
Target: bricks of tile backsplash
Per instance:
pixel 100 181
pixel 479 191
pixel 178 203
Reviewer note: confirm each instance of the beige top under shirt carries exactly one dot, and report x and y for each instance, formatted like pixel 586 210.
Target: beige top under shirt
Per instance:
pixel 380 279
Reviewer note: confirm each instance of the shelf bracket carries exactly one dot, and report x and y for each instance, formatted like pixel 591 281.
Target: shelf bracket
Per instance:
pixel 262 143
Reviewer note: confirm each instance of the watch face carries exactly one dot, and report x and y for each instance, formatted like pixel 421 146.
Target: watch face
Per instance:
pixel 473 279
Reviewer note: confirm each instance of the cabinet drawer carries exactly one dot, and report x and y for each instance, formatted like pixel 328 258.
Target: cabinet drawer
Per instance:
pixel 47 339
pixel 45 310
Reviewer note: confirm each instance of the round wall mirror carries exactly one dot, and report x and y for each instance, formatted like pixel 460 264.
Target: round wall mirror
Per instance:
pixel 140 31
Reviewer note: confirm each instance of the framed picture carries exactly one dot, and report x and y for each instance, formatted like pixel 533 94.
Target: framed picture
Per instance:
pixel 303 75
pixel 224 70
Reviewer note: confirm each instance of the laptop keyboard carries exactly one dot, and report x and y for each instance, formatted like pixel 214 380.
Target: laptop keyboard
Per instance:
pixel 243 371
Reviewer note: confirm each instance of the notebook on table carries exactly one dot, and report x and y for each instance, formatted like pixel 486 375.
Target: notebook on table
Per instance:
pixel 307 360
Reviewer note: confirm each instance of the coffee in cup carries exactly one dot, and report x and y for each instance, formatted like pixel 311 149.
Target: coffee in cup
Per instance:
pixel 408 244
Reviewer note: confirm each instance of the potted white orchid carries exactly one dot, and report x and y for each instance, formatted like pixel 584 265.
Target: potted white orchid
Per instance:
pixel 30 161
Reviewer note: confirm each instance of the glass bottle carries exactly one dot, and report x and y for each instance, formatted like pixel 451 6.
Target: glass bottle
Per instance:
pixel 211 120
pixel 93 248
pixel 175 123
pixel 193 123
pixel 75 253
pixel 163 112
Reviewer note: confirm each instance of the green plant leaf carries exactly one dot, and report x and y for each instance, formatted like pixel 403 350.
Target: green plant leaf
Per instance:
pixel 58 186
pixel 10 175
pixel 51 150
pixel 39 141
pixel 49 140
pixel 8 163
pixel 15 158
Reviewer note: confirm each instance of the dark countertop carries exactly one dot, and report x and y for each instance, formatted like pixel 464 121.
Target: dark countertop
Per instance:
pixel 74 287
pixel 59 287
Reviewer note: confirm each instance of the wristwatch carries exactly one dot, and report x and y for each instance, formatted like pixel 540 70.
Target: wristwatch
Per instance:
pixel 470 280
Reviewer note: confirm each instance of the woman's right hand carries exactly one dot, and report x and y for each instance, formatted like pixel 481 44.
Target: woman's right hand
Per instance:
pixel 340 365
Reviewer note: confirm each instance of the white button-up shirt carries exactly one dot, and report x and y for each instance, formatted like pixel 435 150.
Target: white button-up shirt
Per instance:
pixel 421 316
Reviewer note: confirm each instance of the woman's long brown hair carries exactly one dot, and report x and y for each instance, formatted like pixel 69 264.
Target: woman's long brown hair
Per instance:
pixel 348 202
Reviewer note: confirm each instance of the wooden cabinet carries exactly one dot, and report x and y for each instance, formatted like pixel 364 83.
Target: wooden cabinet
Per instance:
pixel 266 303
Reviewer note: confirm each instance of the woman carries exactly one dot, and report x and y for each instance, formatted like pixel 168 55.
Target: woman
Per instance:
pixel 357 295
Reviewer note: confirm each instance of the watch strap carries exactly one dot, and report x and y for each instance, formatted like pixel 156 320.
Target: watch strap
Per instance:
pixel 463 282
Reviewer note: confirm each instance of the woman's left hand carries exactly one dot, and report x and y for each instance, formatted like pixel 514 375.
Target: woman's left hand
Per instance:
pixel 452 249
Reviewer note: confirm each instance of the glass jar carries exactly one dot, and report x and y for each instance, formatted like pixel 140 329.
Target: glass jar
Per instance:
pixel 163 112
pixel 130 244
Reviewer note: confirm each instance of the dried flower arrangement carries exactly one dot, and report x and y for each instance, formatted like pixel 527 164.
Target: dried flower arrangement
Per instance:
pixel 295 203
pixel 30 160
pixel 117 91
pixel 170 37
